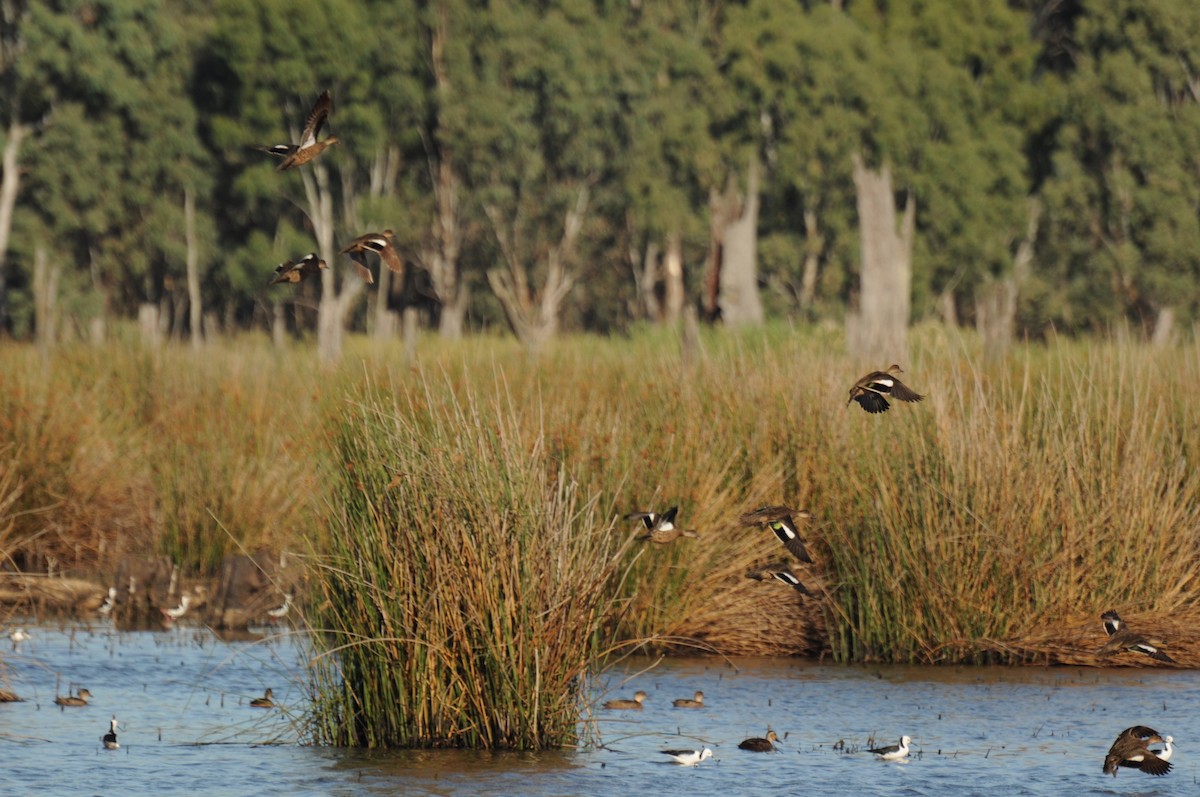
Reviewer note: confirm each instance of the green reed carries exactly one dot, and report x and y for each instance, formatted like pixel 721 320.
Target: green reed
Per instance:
pixel 461 599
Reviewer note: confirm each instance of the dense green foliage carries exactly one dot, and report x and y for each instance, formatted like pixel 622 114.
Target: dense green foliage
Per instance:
pixel 470 128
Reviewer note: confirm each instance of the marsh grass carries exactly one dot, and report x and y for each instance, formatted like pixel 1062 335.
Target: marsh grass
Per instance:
pixel 122 450
pixel 462 599
pixel 992 522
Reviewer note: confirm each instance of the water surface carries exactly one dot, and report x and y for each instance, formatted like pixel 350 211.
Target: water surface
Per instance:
pixel 181 697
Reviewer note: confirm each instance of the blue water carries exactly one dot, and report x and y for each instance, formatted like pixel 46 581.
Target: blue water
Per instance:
pixel 181 698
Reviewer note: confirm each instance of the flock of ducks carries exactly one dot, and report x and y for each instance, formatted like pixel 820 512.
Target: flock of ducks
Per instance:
pixel 1137 747
pixel 294 155
pixel 83 696
pixel 755 744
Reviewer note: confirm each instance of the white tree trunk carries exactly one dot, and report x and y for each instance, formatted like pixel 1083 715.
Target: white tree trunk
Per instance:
pixel 10 184
pixel 739 298
pixel 673 276
pixel 877 331
pixel 195 307
pixel 45 297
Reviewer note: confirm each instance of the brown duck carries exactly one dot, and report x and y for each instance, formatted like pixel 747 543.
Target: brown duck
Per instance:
pixel 758 744
pixel 294 271
pixel 80 698
pixel 639 697
pixel 661 529
pixel 308 148
pixel 781 572
pixel 1132 749
pixel 265 701
pixel 870 392
pixel 1121 638
pixel 381 244
pixel 779 520
pixel 697 701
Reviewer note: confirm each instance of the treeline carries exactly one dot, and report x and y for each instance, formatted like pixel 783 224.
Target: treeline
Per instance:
pixel 586 164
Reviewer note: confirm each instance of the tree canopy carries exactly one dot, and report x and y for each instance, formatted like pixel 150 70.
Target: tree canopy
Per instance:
pixel 536 160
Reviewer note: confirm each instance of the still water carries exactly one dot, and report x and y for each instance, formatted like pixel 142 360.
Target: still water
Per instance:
pixel 181 697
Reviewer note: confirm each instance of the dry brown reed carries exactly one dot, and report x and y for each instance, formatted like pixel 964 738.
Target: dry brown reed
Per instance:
pixel 1025 494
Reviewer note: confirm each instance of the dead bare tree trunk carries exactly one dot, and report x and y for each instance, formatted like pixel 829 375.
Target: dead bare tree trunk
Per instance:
pixel 10 184
pixel 878 329
pixel 996 304
pixel 648 282
pixel 739 298
pixel 335 305
pixel 441 257
pixel 195 308
pixel 814 245
pixel 534 315
pixel 45 298
pixel 278 325
pixel 673 277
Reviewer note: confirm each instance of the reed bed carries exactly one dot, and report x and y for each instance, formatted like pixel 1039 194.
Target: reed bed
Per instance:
pixel 462 598
pixel 991 523
pixel 121 450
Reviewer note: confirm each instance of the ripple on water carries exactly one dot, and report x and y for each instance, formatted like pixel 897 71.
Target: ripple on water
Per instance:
pixel 976 731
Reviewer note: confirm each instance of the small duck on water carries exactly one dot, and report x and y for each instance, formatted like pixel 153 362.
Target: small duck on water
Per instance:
pixel 638 698
pixel 697 701
pixel 758 744
pixel 110 739
pixel 264 701
pixel 80 698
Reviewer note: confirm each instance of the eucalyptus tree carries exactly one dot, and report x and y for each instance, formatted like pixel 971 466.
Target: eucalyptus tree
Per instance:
pixel 1120 237
pixel 673 157
pixel 115 153
pixel 263 68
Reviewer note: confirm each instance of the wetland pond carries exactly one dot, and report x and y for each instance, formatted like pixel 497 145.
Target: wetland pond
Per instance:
pixel 182 698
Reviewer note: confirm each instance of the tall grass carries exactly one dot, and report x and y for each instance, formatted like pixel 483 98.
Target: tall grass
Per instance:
pixel 122 450
pixel 462 597
pixel 992 522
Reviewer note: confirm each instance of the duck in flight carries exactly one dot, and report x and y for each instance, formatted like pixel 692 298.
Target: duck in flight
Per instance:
pixel 780 520
pixel 294 271
pixel 309 147
pixel 872 390
pixel 1121 638
pixel 1132 749
pixel 661 529
pixel 381 244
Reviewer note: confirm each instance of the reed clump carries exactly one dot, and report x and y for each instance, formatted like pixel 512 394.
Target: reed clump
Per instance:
pixel 462 596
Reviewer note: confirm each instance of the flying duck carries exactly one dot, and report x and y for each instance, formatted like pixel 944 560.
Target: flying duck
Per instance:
pixel 381 244
pixel 661 529
pixel 110 739
pixel 1121 638
pixel 308 148
pixel 689 758
pixel 695 702
pixel 893 752
pixel 780 572
pixel 80 698
pixel 1132 749
pixel 870 391
pixel 264 701
pixel 779 520
pixel 294 271
pixel 638 698
pixel 757 744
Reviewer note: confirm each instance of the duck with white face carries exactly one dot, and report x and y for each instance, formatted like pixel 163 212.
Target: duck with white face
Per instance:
pixel 110 739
